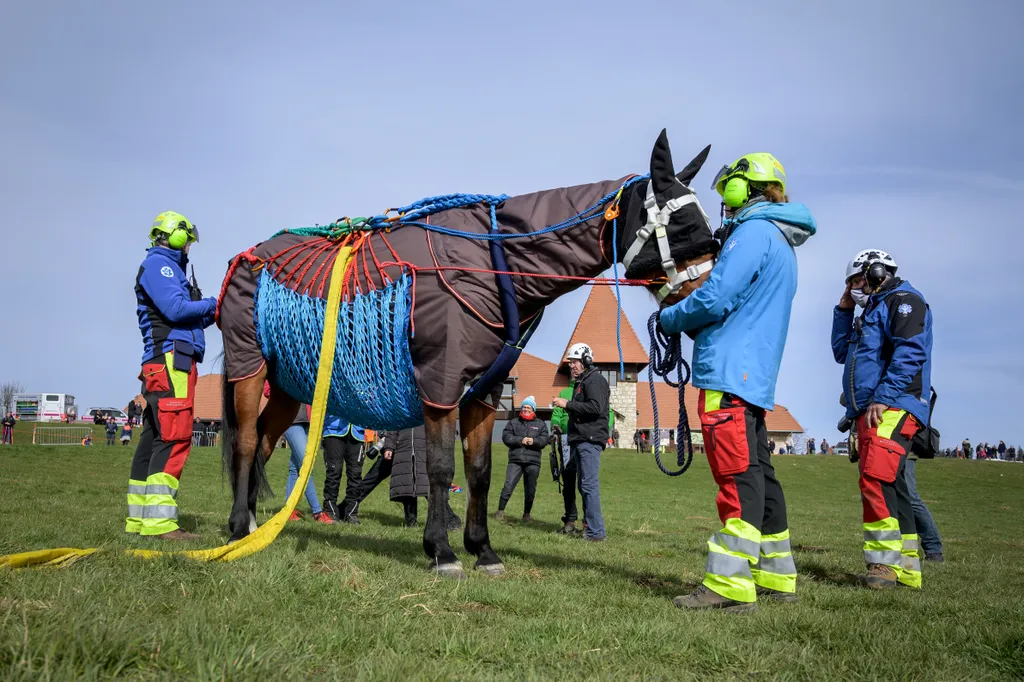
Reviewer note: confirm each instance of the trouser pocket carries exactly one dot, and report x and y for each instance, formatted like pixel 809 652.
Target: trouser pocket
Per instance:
pixel 175 417
pixel 879 459
pixel 725 439
pixel 154 378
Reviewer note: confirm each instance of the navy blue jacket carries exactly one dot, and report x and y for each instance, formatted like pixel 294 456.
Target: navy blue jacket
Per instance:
pixel 165 308
pixel 887 352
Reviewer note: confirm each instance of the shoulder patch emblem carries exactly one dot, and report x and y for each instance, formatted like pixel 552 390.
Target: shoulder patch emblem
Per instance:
pixel 730 245
pixel 166 271
pixel 905 309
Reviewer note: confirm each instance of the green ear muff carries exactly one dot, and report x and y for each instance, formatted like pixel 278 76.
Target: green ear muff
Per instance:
pixel 178 238
pixel 736 192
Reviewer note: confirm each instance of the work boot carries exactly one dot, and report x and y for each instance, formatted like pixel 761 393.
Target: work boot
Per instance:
pixel 704 598
pixel 178 534
pixel 880 577
pixel 935 556
pixel 527 518
pixel 776 595
pixel 323 517
pixel 568 529
pixel 410 522
pixel 499 515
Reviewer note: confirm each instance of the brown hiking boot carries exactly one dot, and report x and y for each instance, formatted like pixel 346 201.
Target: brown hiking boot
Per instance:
pixel 568 529
pixel 880 577
pixel 704 598
pixel 178 534
pixel 776 595
pixel 499 515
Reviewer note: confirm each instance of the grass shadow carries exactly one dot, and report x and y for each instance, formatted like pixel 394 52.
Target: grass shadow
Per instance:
pixel 820 573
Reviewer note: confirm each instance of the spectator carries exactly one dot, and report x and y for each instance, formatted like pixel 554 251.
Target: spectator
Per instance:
pixel 1011 453
pixel 126 434
pixel 87 441
pixel 132 411
pixel 297 437
pixel 587 429
pixel 403 459
pixel 643 441
pixel 810 446
pixel 615 438
pixel 343 449
pixel 824 447
pixel 8 426
pixel 525 436
pixel 636 439
pixel 1001 450
pixel 771 445
pixel 111 428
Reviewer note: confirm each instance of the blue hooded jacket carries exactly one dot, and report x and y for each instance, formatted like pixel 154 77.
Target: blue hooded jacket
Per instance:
pixel 887 354
pixel 336 426
pixel 165 307
pixel 741 313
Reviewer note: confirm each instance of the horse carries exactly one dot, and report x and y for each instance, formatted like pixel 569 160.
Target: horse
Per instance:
pixel 457 323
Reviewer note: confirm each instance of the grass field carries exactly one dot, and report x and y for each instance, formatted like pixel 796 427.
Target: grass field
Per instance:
pixel 342 602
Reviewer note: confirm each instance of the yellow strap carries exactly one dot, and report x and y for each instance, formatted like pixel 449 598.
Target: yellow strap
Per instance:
pixel 266 533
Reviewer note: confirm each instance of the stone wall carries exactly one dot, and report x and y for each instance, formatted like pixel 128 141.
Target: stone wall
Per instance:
pixel 623 401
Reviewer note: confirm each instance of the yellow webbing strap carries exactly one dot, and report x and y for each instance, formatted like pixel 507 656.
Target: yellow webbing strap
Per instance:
pixel 266 533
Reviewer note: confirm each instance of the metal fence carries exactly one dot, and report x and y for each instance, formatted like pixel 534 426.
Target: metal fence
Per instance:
pixel 205 438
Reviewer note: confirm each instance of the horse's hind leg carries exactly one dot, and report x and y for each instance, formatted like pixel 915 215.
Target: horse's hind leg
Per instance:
pixel 277 415
pixel 440 431
pixel 477 420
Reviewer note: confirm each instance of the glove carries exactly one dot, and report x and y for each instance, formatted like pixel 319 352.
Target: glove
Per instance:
pixel 854 449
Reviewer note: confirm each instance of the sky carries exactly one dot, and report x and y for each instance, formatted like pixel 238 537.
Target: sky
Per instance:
pixel 898 125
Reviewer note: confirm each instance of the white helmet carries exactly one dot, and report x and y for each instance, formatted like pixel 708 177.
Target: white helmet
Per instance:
pixel 862 260
pixel 578 351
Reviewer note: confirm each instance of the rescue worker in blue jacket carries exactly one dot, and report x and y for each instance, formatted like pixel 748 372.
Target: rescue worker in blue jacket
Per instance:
pixel 739 318
pixel 343 449
pixel 886 353
pixel 172 316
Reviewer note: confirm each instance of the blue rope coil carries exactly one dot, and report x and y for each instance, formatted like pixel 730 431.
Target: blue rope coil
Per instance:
pixel 372 381
pixel 667 355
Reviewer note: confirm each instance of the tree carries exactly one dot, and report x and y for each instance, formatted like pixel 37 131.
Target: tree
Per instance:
pixel 7 391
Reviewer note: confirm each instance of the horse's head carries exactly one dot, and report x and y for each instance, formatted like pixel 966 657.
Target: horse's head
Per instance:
pixel 666 236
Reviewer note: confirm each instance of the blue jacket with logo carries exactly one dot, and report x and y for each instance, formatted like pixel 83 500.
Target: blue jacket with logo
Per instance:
pixel 165 307
pixel 741 313
pixel 887 352
pixel 336 426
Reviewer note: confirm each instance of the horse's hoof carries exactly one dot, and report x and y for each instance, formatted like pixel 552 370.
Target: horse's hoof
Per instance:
pixel 252 522
pixel 452 570
pixel 491 569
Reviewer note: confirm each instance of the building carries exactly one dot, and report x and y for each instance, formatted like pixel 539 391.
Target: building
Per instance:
pixel 630 399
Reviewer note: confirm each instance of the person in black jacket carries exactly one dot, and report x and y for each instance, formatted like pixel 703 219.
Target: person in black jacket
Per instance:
pixel 587 431
pixel 111 430
pixel 403 459
pixel 525 437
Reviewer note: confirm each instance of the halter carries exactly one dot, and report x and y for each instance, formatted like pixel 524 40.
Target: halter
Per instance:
pixel 657 224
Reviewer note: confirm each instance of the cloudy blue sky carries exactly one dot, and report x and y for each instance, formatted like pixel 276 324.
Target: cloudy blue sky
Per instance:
pixel 898 124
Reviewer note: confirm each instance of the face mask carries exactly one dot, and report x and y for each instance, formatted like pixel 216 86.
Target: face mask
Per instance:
pixel 859 297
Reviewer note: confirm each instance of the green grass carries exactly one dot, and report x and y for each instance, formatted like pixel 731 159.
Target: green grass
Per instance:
pixel 346 602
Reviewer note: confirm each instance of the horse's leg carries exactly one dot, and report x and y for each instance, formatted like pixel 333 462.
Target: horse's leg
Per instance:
pixel 241 413
pixel 277 415
pixel 477 421
pixel 439 426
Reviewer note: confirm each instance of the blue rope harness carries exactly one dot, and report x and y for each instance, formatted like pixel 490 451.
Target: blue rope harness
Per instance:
pixel 666 355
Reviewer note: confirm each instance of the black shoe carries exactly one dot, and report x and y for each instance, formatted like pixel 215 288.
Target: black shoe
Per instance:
pixel 351 518
pixel 935 556
pixel 411 523
pixel 568 529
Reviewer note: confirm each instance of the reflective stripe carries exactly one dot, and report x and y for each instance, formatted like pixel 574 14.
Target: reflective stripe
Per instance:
pixel 909 577
pixel 911 563
pixel 135 512
pixel 883 535
pixel 727 565
pixel 773 547
pixel 887 557
pixel 781 565
pixel 890 418
pixel 162 490
pixel 774 581
pixel 136 489
pixel 160 512
pixel 712 400
pixel 748 548
pixel 162 479
pixel 179 379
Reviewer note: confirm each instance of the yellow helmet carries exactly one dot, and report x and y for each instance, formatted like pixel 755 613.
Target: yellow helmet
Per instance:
pixel 174 227
pixel 733 181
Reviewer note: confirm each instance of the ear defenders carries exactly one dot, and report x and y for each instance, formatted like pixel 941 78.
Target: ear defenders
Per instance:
pixel 736 192
pixel 875 274
pixel 587 360
pixel 179 236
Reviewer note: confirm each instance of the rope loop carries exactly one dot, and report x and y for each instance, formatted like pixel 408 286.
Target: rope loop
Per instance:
pixel 667 355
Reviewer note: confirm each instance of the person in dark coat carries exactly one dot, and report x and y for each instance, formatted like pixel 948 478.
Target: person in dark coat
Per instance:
pixel 526 436
pixel 111 429
pixel 403 459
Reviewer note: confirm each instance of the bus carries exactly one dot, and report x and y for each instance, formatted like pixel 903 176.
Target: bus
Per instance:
pixel 45 407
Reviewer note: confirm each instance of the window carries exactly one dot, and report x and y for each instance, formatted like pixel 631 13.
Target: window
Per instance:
pixel 611 376
pixel 52 397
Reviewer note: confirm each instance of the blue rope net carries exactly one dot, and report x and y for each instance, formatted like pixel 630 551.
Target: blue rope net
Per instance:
pixel 372 382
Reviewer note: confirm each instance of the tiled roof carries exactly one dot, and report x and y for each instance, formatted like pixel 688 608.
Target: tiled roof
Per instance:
pixel 779 419
pixel 538 378
pixel 596 328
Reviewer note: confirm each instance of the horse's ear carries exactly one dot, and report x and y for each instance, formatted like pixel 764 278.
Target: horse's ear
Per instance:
pixel 687 175
pixel 662 171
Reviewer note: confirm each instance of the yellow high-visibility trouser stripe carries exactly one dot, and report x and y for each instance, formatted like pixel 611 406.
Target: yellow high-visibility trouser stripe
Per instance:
pixel 909 570
pixel 712 400
pixel 731 553
pixel 883 543
pixel 890 418
pixel 179 379
pixel 775 568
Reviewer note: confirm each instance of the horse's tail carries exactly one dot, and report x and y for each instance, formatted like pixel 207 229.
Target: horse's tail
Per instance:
pixel 229 428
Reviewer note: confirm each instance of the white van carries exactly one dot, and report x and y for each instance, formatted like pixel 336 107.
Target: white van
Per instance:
pixel 98 415
pixel 44 407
